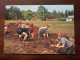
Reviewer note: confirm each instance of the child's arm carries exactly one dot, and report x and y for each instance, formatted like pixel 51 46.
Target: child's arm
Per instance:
pixel 60 46
pixel 34 30
pixel 39 31
pixel 29 33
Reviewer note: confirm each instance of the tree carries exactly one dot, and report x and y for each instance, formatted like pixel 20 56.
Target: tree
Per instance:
pixel 28 14
pixel 42 13
pixel 54 13
pixel 23 14
pixel 71 12
pixel 7 14
pixel 66 13
pixel 62 14
pixel 17 13
pixel 13 13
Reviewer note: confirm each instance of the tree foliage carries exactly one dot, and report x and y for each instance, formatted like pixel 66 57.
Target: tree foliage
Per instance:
pixel 42 12
pixel 14 13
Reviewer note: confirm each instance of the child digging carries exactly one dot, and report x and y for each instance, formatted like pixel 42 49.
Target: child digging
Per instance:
pixel 43 31
pixel 64 44
pixel 23 32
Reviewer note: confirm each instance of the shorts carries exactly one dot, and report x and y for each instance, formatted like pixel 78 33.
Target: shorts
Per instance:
pixel 41 33
pixel 19 32
pixel 70 50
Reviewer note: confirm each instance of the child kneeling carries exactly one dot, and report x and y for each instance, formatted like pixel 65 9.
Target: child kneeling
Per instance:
pixel 64 44
pixel 23 32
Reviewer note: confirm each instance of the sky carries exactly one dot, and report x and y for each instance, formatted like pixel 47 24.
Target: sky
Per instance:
pixel 50 8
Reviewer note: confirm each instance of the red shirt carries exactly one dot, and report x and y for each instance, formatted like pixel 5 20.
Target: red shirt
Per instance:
pixel 32 28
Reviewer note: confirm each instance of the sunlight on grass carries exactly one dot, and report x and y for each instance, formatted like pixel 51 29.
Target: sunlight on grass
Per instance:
pixel 54 26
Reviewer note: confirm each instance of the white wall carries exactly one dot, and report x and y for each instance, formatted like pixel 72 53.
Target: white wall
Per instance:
pixel 68 19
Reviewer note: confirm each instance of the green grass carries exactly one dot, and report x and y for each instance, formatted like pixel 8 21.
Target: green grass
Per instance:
pixel 59 24
pixel 55 26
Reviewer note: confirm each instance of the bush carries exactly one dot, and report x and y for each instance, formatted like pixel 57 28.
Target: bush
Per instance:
pixel 62 19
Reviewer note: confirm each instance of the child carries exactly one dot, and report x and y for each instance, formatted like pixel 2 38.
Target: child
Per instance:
pixel 32 30
pixel 65 43
pixel 6 30
pixel 23 32
pixel 43 31
pixel 18 24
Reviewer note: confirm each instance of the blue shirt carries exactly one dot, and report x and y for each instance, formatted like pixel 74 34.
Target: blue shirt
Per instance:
pixel 66 42
pixel 24 30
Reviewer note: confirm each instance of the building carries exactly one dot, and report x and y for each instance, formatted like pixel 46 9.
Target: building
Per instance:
pixel 70 18
pixel 52 18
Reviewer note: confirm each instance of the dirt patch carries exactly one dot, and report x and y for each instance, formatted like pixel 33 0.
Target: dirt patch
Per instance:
pixel 12 44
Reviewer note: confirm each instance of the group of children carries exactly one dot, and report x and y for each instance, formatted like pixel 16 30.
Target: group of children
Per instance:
pixel 28 31
pixel 25 30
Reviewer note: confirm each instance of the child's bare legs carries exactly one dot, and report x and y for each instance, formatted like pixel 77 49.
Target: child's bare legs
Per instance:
pixel 44 35
pixel 32 35
pixel 20 36
pixel 47 34
pixel 38 36
pixel 25 37
pixel 5 31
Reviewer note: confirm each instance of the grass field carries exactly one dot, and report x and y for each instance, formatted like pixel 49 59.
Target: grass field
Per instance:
pixel 54 26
